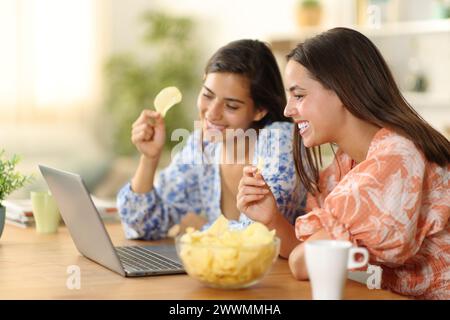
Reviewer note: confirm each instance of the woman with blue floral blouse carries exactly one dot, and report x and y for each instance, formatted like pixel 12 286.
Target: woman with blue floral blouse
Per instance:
pixel 242 97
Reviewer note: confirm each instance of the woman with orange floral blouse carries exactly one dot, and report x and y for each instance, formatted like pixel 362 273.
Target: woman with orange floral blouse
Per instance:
pixel 388 186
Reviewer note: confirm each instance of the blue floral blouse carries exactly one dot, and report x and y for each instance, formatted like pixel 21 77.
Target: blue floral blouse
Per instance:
pixel 191 183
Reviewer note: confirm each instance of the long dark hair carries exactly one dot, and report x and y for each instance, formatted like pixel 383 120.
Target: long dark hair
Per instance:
pixel 347 62
pixel 254 60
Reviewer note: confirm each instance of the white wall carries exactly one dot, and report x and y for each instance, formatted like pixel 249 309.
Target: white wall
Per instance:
pixel 219 21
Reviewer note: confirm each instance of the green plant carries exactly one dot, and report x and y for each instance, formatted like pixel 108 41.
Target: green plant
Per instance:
pixel 10 180
pixel 132 84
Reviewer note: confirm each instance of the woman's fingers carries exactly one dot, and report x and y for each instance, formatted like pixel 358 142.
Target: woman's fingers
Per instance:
pixel 247 190
pixel 244 201
pixel 138 137
pixel 252 171
pixel 147 116
pixel 251 181
pixel 146 128
pixel 143 132
pixel 142 127
pixel 249 171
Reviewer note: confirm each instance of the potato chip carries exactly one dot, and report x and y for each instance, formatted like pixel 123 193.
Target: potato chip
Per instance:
pixel 260 165
pixel 258 234
pixel 167 98
pixel 228 258
pixel 219 226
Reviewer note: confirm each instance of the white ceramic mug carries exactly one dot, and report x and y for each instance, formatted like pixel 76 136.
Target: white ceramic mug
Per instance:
pixel 327 262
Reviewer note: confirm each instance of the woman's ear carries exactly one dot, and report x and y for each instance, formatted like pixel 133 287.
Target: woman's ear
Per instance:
pixel 260 113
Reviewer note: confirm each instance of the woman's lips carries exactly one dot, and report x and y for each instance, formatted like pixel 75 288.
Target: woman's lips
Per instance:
pixel 213 126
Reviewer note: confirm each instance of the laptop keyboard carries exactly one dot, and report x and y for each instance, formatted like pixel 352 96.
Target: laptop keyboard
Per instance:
pixel 137 258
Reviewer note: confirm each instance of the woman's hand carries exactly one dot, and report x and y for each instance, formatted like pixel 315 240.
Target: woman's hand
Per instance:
pixel 254 197
pixel 148 134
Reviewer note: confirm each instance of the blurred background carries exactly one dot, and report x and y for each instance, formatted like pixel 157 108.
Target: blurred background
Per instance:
pixel 75 74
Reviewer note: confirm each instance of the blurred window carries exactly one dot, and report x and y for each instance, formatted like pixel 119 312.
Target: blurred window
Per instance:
pixel 49 56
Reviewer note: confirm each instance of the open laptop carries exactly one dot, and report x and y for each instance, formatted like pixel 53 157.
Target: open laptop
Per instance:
pixel 91 238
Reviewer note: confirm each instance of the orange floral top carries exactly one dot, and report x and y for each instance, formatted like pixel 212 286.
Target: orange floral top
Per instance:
pixel 397 205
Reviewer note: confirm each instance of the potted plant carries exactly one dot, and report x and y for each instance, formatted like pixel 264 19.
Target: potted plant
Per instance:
pixel 309 13
pixel 10 180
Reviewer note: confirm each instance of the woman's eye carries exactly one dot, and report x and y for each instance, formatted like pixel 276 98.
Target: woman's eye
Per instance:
pixel 207 96
pixel 231 107
pixel 298 97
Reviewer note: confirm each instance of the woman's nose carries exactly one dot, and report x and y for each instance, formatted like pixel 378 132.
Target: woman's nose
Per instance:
pixel 214 111
pixel 290 110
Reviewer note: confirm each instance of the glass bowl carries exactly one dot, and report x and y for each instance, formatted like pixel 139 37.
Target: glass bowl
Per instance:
pixel 227 266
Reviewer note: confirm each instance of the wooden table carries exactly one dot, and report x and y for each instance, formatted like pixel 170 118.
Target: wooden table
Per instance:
pixel 34 266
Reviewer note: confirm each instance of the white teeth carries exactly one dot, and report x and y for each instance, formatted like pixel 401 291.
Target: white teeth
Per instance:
pixel 303 126
pixel 212 126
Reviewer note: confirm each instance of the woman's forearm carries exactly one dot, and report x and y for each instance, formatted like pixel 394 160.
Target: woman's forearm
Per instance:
pixel 297 260
pixel 142 181
pixel 285 231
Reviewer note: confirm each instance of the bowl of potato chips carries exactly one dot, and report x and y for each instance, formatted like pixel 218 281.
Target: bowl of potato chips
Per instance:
pixel 226 258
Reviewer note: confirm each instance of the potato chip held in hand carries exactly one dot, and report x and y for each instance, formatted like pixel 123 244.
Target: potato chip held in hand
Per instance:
pixel 167 98
pixel 260 165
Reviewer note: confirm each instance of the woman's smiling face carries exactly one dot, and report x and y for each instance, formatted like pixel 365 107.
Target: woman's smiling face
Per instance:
pixel 225 102
pixel 317 111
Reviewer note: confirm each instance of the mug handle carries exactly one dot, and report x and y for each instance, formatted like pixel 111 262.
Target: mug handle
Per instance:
pixel 352 263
